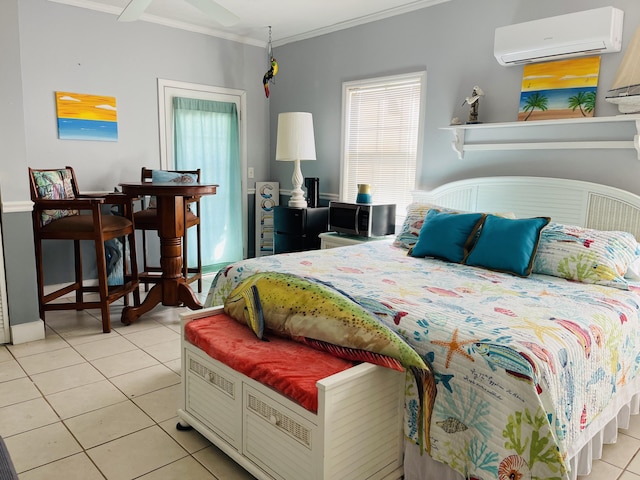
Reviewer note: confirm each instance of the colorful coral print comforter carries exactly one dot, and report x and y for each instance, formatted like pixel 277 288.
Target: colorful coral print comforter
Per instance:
pixel 522 365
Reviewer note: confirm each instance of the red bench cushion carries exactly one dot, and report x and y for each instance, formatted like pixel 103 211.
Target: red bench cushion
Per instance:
pixel 289 367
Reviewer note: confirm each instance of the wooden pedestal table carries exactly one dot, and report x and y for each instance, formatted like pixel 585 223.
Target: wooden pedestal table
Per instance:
pixel 172 290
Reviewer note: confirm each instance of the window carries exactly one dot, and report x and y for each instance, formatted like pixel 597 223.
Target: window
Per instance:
pixel 382 130
pixel 224 235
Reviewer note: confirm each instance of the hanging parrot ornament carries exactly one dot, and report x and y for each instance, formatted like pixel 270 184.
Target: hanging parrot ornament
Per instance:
pixel 273 67
pixel 272 72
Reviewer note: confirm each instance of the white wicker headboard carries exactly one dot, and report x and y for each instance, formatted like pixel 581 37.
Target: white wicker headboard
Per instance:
pixel 571 202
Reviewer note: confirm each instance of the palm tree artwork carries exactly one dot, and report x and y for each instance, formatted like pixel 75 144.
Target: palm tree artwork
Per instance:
pixel 559 89
pixel 535 100
pixel 590 102
pixel 579 100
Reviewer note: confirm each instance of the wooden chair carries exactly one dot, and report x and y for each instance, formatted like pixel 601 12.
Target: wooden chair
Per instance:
pixel 60 213
pixel 147 220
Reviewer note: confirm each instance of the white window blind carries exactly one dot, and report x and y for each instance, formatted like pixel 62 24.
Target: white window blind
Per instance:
pixel 382 119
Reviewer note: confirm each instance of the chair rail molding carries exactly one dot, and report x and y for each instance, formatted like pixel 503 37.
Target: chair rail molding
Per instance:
pixel 17 206
pixel 460 145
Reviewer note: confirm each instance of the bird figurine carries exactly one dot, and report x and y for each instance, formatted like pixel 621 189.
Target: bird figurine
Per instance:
pixel 474 103
pixel 272 72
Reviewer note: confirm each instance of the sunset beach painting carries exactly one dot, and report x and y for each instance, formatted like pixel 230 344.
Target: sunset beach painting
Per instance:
pixel 86 117
pixel 559 89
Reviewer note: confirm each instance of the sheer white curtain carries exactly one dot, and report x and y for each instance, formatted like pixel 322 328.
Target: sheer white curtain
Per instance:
pixel 382 143
pixel 206 137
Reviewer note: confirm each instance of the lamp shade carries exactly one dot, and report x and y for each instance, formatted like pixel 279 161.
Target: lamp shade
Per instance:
pixel 295 139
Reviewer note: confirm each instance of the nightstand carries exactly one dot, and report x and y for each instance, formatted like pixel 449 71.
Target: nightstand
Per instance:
pixel 297 229
pixel 333 239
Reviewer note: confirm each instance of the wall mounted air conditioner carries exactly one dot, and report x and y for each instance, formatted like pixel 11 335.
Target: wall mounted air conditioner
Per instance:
pixel 590 32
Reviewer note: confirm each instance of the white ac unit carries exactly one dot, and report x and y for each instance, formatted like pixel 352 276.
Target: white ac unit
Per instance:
pixel 590 32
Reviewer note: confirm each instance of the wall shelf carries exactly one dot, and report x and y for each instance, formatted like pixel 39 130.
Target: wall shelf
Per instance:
pixel 459 146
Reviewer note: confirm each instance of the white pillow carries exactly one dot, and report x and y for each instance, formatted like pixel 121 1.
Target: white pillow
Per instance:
pixel 586 255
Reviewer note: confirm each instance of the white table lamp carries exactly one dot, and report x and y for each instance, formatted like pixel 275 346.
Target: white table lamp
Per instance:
pixel 296 142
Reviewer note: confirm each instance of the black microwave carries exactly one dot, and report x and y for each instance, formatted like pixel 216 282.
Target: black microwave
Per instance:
pixel 361 219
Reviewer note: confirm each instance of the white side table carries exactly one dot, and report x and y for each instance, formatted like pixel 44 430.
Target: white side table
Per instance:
pixel 333 239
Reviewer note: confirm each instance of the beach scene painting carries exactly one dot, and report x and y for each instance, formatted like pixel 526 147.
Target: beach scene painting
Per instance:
pixel 86 117
pixel 559 89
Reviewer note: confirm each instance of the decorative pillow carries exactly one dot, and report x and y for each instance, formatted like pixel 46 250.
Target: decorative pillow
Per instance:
pixel 447 235
pixel 314 313
pixel 163 176
pixel 410 230
pixel 586 255
pixel 507 245
pixel 281 302
pixel 416 213
pixel 54 185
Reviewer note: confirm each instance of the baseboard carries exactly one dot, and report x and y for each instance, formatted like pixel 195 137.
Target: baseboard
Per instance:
pixel 27 332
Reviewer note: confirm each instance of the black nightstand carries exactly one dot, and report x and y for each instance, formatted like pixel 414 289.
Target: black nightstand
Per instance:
pixel 297 229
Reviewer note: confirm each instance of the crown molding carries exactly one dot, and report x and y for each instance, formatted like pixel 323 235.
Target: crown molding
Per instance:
pixel 391 12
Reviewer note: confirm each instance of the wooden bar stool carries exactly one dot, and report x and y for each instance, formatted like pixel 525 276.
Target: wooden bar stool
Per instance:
pixel 60 213
pixel 147 220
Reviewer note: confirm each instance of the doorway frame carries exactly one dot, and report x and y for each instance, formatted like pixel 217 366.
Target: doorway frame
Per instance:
pixel 167 89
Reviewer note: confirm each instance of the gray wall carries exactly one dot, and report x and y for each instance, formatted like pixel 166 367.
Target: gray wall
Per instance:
pixel 66 48
pixel 16 226
pixel 453 41
pixel 47 47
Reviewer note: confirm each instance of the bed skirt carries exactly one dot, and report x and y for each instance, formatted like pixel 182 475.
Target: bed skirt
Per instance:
pixel 603 430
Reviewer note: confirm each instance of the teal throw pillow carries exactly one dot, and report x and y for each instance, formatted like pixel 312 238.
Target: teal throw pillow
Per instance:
pixel 447 235
pixel 410 230
pixel 507 245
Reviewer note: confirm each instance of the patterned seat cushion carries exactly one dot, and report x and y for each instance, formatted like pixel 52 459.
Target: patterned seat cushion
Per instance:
pixel 54 185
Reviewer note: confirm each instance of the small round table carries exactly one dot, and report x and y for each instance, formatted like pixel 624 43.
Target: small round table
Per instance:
pixel 172 290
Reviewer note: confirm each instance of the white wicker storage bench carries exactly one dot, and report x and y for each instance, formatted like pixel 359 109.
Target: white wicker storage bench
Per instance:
pixel 356 433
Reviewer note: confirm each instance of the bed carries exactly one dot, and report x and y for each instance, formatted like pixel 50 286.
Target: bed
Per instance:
pixel 534 371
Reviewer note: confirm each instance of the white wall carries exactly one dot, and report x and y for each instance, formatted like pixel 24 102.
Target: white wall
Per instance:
pixel 453 41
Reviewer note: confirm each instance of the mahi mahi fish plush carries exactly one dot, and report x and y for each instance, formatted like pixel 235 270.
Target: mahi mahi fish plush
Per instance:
pixel 316 314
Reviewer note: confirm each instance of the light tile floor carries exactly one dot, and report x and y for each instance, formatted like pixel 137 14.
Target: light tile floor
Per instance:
pixel 85 405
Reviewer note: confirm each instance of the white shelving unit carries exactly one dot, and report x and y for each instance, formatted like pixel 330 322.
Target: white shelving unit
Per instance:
pixel 460 146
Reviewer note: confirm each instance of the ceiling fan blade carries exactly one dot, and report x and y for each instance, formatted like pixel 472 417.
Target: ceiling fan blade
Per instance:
pixel 133 10
pixel 216 11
